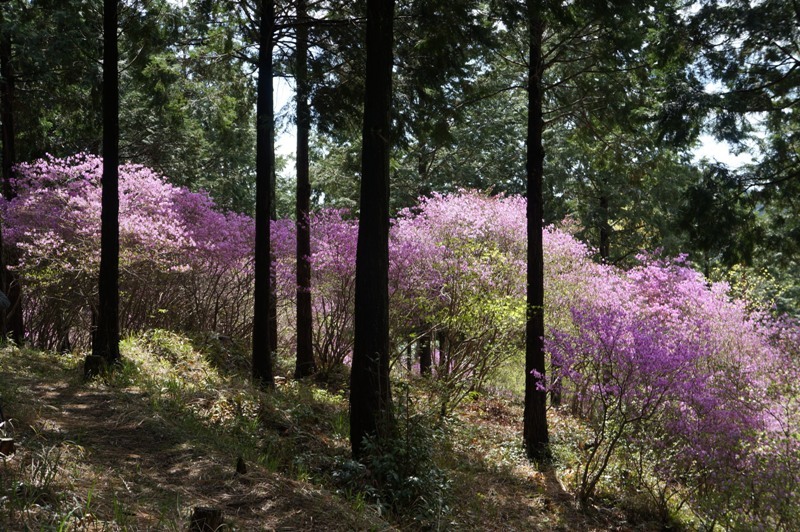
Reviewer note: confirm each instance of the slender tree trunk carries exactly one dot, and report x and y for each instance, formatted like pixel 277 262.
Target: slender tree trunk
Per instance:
pixel 305 351
pixel 370 396
pixel 6 117
pixel 11 318
pixel 605 229
pixel 273 214
pixel 273 301
pixel 424 343
pixel 4 288
pixel 535 417
pixel 106 338
pixel 7 108
pixel 265 162
pixel 273 308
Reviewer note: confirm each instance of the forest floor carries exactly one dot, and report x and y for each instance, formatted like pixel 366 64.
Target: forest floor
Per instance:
pixel 132 455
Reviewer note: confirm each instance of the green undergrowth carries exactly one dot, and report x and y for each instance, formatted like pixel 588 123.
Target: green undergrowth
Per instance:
pixel 193 394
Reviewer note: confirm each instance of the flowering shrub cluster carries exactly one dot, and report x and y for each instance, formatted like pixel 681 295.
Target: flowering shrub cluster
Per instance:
pixel 333 268
pixel 457 270
pixel 668 369
pixel 695 391
pixel 183 264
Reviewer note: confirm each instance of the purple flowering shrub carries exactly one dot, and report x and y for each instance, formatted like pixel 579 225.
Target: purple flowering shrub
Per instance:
pixel 183 264
pixel 455 269
pixel 333 266
pixel 685 393
pixel 456 266
pixel 666 368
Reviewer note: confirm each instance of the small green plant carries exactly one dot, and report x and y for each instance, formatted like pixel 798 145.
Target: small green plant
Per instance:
pixel 121 514
pixel 399 474
pixel 340 423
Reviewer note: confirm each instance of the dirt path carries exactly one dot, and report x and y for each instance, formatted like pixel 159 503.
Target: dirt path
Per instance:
pixel 115 465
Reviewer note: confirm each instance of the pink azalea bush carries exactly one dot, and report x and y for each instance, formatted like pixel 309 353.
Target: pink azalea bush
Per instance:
pixel 665 367
pixel 183 264
pixel 333 266
pixel 456 266
pixel 696 393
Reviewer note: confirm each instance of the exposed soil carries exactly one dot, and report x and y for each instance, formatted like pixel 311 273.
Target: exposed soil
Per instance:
pixel 129 470
pixel 97 457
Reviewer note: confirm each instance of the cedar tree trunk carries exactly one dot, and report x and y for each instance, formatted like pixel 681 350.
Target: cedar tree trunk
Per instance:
pixel 305 351
pixel 535 416
pixel 265 162
pixel 11 318
pixel 370 397
pixel 105 343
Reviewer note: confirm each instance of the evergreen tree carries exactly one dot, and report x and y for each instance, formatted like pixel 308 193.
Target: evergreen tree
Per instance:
pixel 370 396
pixel 535 433
pixel 749 50
pixel 186 92
pixel 305 352
pixel 265 161
pixel 11 321
pixel 434 76
pixel 105 341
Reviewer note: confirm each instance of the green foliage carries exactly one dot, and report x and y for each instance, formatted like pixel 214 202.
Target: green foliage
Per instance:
pixel 186 100
pixel 399 473
pixel 719 219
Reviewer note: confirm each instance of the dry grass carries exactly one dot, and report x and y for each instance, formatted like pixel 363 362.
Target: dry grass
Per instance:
pixel 139 451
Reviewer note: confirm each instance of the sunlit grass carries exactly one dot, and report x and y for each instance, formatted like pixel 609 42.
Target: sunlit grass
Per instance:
pixel 195 397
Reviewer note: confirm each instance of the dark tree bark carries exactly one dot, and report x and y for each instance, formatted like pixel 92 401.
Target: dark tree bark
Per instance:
pixel 265 163
pixel 4 288
pixel 370 396
pixel 6 117
pixel 305 351
pixel 535 434
pixel 273 210
pixel 424 345
pixel 11 322
pixel 7 107
pixel 605 229
pixel 105 344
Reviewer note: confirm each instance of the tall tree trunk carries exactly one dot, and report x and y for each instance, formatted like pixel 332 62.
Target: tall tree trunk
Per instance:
pixel 106 338
pixel 7 107
pixel 370 396
pixel 424 348
pixel 11 318
pixel 273 213
pixel 605 229
pixel 535 417
pixel 265 162
pixel 305 351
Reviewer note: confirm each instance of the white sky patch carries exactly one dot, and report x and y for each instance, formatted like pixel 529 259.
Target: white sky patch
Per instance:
pixel 285 136
pixel 720 152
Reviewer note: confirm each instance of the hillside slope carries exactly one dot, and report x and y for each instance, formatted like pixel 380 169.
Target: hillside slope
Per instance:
pixel 141 451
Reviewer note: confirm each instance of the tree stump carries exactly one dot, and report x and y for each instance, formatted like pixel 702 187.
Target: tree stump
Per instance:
pixel 205 519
